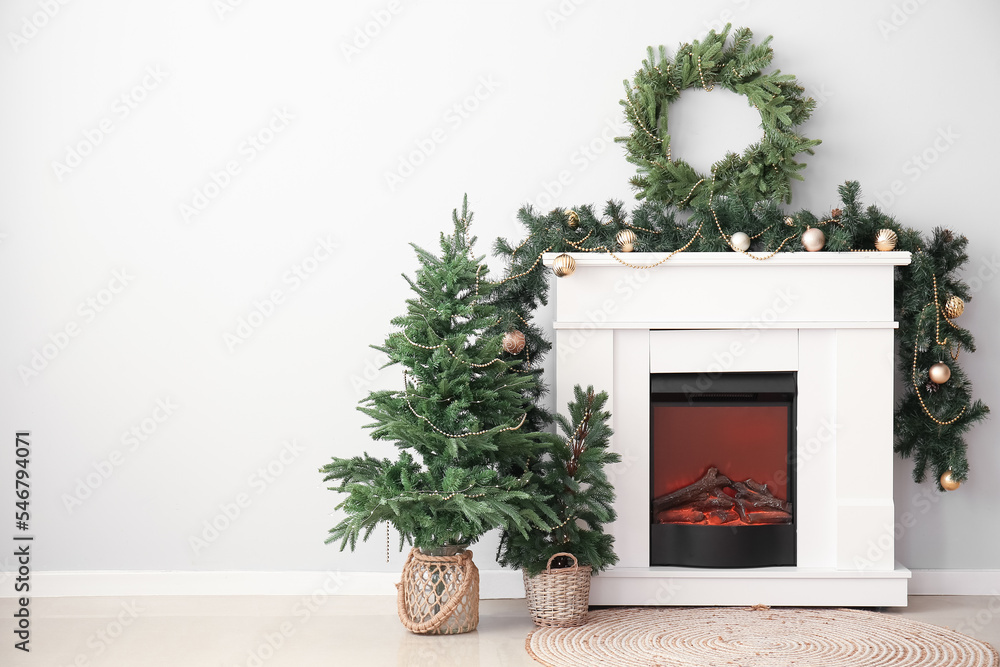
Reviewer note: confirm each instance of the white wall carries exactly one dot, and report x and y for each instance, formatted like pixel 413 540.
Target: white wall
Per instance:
pixel 554 87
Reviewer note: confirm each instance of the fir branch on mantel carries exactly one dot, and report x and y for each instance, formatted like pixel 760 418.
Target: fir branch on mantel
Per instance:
pixel 930 420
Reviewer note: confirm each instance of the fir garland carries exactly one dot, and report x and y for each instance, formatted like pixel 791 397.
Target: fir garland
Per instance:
pixel 764 170
pixel 930 421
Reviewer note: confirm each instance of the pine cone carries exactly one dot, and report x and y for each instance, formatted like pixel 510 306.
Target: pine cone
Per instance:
pixel 836 213
pixel 947 236
pixel 931 387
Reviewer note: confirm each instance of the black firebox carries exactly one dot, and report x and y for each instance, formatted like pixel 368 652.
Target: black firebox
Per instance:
pixel 722 469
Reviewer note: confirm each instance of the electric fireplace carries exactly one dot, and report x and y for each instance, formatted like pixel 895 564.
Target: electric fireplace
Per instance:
pixel 667 343
pixel 722 469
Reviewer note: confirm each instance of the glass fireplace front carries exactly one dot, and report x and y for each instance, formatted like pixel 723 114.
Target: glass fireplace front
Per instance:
pixel 722 469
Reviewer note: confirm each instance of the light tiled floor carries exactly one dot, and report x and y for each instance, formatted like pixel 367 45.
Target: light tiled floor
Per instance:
pixel 327 631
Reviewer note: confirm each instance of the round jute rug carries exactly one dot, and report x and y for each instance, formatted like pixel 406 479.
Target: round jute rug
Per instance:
pixel 748 637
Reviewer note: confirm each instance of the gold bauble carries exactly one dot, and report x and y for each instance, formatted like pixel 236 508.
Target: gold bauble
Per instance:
pixel 813 239
pixel 948 481
pixel 740 241
pixel 790 221
pixel 626 240
pixel 885 240
pixel 563 266
pixel 954 307
pixel 513 342
pixel 572 219
pixel 939 373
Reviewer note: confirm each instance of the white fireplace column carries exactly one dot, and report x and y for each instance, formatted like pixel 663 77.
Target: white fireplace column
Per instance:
pixel 826 316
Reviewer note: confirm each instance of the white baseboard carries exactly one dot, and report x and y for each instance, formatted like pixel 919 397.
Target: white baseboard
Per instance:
pixel 494 584
pixel 955 582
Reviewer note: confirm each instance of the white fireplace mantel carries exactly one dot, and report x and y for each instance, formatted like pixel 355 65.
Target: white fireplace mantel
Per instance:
pixel 826 316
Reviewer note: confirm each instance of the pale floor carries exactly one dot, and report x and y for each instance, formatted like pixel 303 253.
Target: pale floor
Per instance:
pixel 328 631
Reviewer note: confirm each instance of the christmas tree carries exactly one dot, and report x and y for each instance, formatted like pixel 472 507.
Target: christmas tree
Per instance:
pixel 572 473
pixel 459 420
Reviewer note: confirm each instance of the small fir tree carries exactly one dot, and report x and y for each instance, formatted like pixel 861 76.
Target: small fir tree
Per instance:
pixel 458 421
pixel 573 473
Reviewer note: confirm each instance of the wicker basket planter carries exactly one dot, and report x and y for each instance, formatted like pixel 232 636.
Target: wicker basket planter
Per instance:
pixel 439 592
pixel 559 598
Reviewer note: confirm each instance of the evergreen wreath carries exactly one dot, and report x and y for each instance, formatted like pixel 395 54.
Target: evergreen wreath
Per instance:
pixel 766 167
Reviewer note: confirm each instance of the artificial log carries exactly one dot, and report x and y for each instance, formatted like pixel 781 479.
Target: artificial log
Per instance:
pixel 774 516
pixel 716 517
pixel 711 503
pixel 756 495
pixel 712 481
pixel 680 516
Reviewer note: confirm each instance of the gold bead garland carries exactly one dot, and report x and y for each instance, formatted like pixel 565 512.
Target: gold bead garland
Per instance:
pixel 513 254
pixel 406 397
pixel 635 114
pixel 521 275
pixel 702 76
pixel 916 388
pixel 448 349
pixel 718 226
pixel 691 192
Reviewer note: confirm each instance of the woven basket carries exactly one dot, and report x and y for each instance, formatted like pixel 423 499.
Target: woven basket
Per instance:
pixel 559 598
pixel 439 593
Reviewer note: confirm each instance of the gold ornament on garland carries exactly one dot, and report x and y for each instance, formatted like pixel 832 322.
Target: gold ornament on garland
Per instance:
pixel 626 240
pixel 513 342
pixel 563 266
pixel 948 481
pixel 572 219
pixel 954 307
pixel 939 373
pixel 885 240
pixel 790 221
pixel 813 239
pixel 740 241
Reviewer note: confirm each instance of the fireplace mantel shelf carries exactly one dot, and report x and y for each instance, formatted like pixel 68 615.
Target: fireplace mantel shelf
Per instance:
pixel 586 259
pixel 728 324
